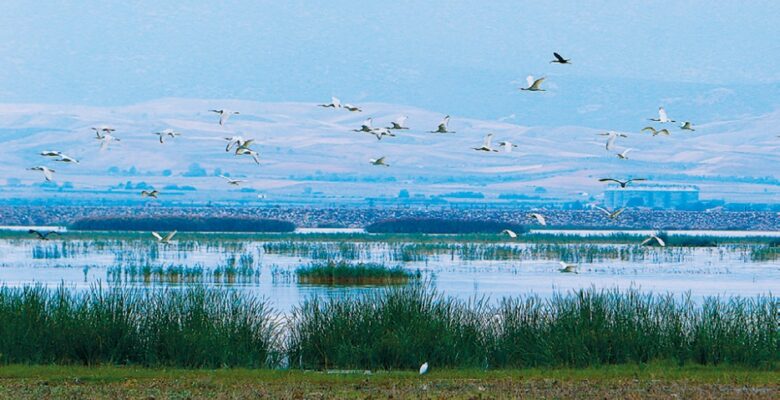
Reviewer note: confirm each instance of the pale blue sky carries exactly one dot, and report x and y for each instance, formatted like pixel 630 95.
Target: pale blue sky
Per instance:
pixel 706 60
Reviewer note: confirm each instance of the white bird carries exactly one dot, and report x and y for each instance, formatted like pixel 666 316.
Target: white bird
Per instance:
pixel 51 153
pixel 507 145
pixel 424 368
pixel 539 218
pixel 379 161
pixel 653 237
pixel 612 214
pixel 245 150
pixel 224 115
pixel 399 123
pixel 334 103
pixel 687 126
pixel 366 126
pixel 164 240
pixel 442 128
pixel 509 233
pixel 101 130
pixel 486 146
pixel 662 117
pixel 230 181
pixel 106 139
pixel 167 132
pixel 149 193
pixel 624 154
pixel 611 137
pixel 48 173
pixel 67 159
pixel 534 85
pixel 656 132
pixel 379 132
pixel 238 141
pixel 567 268
pixel 352 108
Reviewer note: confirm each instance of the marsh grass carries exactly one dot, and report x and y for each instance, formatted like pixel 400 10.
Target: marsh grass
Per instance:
pixel 345 273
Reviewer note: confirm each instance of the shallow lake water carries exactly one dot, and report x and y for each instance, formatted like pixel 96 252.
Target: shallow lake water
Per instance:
pixel 464 270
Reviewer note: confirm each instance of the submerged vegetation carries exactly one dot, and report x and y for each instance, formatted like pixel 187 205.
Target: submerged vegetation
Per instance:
pixel 344 273
pixel 392 328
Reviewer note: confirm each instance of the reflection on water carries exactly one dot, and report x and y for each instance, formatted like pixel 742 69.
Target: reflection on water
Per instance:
pixel 460 269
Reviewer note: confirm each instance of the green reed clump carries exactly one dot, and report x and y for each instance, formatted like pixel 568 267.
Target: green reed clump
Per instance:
pixel 193 328
pixel 403 327
pixel 388 329
pixel 344 273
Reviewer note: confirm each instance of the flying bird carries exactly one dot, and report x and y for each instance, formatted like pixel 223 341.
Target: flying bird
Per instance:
pixel 380 132
pixel 442 128
pixel 352 108
pixel 651 238
pixel 245 150
pixel 224 115
pixel 509 233
pixel 51 153
pixel 687 126
pixel 611 137
pixel 424 368
pixel 567 268
pixel 379 161
pixel 164 240
pixel 67 159
pixel 624 154
pixel 656 132
pixel 100 131
pixel 106 139
pixel 48 173
pixel 560 60
pixel 486 146
pixel 230 181
pixel 622 184
pixel 149 193
pixel 167 132
pixel 507 145
pixel 238 141
pixel 539 218
pixel 612 214
pixel 43 235
pixel 366 126
pixel 662 117
pixel 399 123
pixel 534 85
pixel 334 103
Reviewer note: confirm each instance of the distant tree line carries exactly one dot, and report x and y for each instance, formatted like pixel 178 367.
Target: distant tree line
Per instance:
pixel 441 225
pixel 185 224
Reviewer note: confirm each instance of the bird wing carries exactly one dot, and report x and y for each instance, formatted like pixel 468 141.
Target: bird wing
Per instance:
pixel 380 160
pixel 401 121
pixel 537 83
pixel 368 123
pixel 256 157
pixel 660 241
pixel 664 131
pixel 445 121
pixel 157 236
pixel 170 236
pixel 487 140
pixel 530 80
pixel 40 236
pixel 648 128
pixel 223 117
pixel 611 141
pixel 636 180
pixel 47 173
pixel 646 241
pixel 662 115
pixel 563 264
pixel 617 213
pixel 336 102
pixel 609 180
pixel 558 56
pixel 604 210
pixel 625 152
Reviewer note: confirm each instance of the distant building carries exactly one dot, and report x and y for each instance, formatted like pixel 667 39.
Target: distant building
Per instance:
pixel 659 197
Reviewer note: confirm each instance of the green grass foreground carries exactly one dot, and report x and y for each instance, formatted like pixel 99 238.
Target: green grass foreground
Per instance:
pixel 655 380
pixel 345 273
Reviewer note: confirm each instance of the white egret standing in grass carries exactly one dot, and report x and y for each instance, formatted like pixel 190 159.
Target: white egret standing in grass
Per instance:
pixel 48 173
pixel 424 368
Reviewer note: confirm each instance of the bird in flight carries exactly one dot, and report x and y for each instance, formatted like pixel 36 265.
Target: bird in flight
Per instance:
pixel 352 108
pixel 224 115
pixel 379 161
pixel 236 141
pixel 611 137
pixel 624 154
pixel 106 139
pixel 399 123
pixel 230 181
pixel 687 126
pixel 42 235
pixel 534 85
pixel 67 159
pixel 567 268
pixel 560 60
pixel 662 117
pixel 612 214
pixel 245 150
pixel 442 128
pixel 51 153
pixel 48 173
pixel 100 131
pixel 167 132
pixel 380 132
pixel 149 193
pixel 486 146
pixel 164 240
pixel 622 184
pixel 656 132
pixel 539 218
pixel 509 233
pixel 334 103
pixel 507 145
pixel 366 126
pixel 653 237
